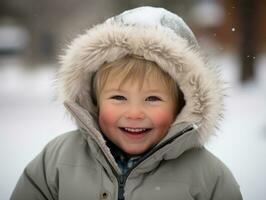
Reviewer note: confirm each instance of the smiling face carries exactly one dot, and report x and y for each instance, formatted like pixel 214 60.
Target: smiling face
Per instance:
pixel 135 118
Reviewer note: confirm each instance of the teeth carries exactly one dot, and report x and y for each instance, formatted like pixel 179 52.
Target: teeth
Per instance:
pixel 135 130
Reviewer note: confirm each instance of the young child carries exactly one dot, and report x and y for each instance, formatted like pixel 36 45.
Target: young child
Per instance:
pixel 145 102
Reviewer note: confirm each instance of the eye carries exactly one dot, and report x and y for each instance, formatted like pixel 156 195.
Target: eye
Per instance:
pixel 153 98
pixel 118 98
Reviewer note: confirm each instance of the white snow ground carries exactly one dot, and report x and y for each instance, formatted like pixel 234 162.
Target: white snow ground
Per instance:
pixel 30 117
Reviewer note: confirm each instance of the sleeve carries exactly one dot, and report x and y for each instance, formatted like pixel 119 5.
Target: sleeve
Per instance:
pixel 226 186
pixel 33 183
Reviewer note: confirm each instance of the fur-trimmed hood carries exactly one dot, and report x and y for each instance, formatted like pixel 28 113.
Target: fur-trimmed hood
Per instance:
pixel 157 35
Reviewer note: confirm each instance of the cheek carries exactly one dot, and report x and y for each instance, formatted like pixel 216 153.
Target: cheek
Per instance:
pixel 162 118
pixel 107 116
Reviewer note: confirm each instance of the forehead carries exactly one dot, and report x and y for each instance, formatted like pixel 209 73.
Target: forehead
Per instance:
pixel 148 83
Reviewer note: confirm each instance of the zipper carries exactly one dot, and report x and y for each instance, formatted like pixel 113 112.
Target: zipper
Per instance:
pixel 123 178
pixel 121 187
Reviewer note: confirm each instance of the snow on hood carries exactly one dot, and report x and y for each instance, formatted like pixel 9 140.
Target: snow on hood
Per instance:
pixel 157 35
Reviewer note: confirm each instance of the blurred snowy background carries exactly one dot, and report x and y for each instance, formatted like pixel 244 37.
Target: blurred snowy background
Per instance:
pixel 32 34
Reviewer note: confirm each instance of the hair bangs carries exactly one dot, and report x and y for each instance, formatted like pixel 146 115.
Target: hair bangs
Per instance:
pixel 136 70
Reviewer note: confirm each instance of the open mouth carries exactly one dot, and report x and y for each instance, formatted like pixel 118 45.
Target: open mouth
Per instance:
pixel 135 130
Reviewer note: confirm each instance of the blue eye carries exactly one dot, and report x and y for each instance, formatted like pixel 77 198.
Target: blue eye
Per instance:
pixel 153 98
pixel 118 98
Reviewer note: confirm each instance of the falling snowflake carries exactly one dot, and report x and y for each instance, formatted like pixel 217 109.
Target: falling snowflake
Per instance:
pixel 233 29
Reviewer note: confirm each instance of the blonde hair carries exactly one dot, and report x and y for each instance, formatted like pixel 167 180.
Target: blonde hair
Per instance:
pixel 135 68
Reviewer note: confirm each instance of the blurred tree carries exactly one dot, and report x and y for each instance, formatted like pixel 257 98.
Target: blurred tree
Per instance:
pixel 248 42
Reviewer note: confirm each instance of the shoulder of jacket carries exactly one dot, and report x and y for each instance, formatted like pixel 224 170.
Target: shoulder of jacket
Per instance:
pixel 203 163
pixel 65 149
pixel 208 172
pixel 204 156
pixel 62 141
pixel 218 166
pixel 223 184
pixel 206 163
pixel 64 138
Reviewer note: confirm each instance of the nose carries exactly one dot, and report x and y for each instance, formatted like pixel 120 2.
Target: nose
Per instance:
pixel 135 113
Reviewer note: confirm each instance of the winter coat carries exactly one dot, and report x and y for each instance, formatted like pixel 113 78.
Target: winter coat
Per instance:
pixel 79 165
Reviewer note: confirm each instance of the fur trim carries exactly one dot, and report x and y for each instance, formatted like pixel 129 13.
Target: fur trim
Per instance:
pixel 107 42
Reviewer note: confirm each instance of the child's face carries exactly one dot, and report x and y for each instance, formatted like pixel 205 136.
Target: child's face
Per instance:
pixel 134 118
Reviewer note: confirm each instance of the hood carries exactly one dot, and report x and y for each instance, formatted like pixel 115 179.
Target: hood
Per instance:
pixel 157 35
